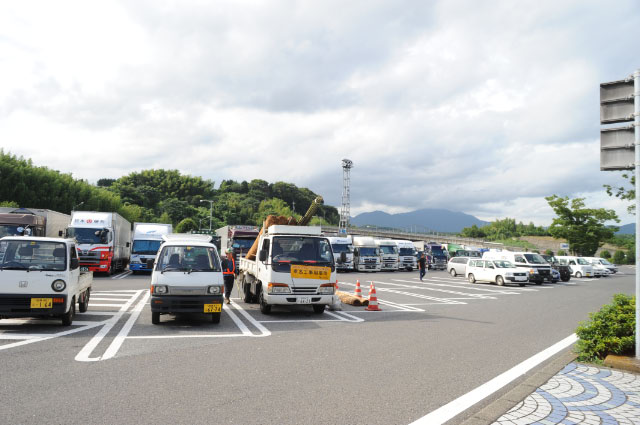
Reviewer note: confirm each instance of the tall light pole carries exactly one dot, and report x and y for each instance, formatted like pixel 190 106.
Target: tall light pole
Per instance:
pixel 76 206
pixel 210 210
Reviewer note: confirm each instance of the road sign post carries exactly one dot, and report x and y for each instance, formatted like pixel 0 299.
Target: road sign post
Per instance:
pixel 620 149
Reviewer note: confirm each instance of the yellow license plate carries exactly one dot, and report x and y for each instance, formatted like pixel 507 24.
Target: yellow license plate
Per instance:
pixel 212 308
pixel 310 272
pixel 41 302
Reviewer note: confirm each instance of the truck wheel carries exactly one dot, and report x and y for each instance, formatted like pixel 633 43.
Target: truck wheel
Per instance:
pixel 248 297
pixel 565 278
pixel 472 278
pixel 155 317
pixel 83 305
pixel 215 317
pixel 67 318
pixel 499 281
pixel 264 307
pixel 539 282
pixel 318 309
pixel 453 273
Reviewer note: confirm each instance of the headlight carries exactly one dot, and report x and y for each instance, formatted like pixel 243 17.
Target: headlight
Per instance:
pixel 278 288
pixel 508 274
pixel 326 289
pixel 213 290
pixel 160 289
pixel 58 285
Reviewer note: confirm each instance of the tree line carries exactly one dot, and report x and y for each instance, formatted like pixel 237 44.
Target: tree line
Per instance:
pixel 164 196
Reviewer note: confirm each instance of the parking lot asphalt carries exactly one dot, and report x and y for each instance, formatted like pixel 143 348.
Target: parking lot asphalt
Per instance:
pixel 433 342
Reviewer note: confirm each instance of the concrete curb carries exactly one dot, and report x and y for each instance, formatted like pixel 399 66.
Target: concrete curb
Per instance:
pixel 532 381
pixel 628 363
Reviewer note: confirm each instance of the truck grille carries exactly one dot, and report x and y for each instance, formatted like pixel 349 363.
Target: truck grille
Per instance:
pixel 304 290
pixel 174 290
pixel 519 274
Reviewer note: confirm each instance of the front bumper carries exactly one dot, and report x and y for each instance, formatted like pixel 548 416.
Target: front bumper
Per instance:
pixel 516 278
pixel 183 303
pixel 19 305
pixel 139 267
pixel 292 299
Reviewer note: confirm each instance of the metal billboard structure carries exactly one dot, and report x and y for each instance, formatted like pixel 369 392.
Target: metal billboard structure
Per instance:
pixel 620 149
pixel 345 211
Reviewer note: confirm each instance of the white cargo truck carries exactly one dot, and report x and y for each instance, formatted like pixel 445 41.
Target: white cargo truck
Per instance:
pixel 338 246
pixel 187 277
pixel 366 254
pixel 407 255
pixel 41 277
pixel 104 240
pixel 147 238
pixel 294 266
pixel 32 222
pixel 389 252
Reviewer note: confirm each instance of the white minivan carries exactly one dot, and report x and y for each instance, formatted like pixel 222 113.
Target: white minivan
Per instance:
pixel 536 267
pixel 578 265
pixel 495 271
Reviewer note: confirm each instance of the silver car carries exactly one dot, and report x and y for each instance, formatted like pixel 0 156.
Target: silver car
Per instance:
pixel 458 265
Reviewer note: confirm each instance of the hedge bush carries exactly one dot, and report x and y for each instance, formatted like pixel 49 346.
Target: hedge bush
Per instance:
pixel 609 331
pixel 618 257
pixel 630 257
pixel 562 252
pixel 605 254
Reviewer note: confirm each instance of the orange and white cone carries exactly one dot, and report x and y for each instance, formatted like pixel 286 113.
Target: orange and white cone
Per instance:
pixel 373 300
pixel 358 291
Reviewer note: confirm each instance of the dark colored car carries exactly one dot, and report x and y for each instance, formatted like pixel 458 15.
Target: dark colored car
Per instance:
pixel 565 271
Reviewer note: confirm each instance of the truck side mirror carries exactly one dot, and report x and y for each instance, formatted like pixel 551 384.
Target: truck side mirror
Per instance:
pixel 262 256
pixel 74 263
pixel 343 257
pixel 60 233
pixel 128 244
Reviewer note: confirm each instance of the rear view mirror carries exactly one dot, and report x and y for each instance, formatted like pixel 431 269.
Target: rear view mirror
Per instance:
pixel 343 257
pixel 262 256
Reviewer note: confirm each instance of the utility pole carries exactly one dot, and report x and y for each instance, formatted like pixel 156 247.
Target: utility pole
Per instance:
pixel 210 210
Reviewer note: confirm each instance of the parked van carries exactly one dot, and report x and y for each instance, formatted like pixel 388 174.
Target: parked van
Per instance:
pixel 599 266
pixel 537 268
pixel 578 265
pixel 495 271
pixel 458 266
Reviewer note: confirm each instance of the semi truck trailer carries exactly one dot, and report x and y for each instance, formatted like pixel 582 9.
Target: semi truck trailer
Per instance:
pixel 32 222
pixel 238 238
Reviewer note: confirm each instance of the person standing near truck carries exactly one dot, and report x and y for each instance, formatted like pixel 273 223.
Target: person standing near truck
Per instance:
pixel 229 274
pixel 422 266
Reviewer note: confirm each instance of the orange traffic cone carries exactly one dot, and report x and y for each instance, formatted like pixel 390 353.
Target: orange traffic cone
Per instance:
pixel 373 300
pixel 358 291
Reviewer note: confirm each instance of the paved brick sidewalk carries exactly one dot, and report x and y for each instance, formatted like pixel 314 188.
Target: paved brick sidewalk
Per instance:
pixel 580 394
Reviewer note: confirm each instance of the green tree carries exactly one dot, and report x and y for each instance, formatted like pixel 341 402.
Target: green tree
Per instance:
pixel 186 225
pixel 473 232
pixel 584 228
pixel 9 204
pixel 630 257
pixel 605 254
pixel 548 252
pixel 624 193
pixel 562 252
pixel 618 257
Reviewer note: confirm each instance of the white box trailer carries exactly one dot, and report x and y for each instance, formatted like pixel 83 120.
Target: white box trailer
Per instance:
pixel 104 240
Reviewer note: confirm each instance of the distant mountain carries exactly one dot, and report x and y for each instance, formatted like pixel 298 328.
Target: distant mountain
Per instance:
pixel 627 229
pixel 428 219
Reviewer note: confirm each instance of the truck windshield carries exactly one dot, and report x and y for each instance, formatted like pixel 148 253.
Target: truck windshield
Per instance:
pixel 342 247
pixel 388 249
pixel 33 255
pixel 90 235
pixel 370 252
pixel 10 230
pixel 294 249
pixel 534 259
pixel 242 243
pixel 188 258
pixel 437 251
pixel 407 251
pixel 145 247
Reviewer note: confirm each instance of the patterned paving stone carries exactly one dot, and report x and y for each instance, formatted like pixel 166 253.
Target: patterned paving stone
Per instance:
pixel 580 394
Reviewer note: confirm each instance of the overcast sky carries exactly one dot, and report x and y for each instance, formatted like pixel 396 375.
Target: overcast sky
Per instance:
pixel 484 107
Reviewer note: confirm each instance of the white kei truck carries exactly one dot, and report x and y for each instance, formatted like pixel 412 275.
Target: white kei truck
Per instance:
pixel 187 277
pixel 294 266
pixel 41 277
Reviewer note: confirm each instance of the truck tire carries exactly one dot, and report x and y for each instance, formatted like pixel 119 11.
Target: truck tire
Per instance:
pixel 318 308
pixel 83 305
pixel 499 281
pixel 215 317
pixel 264 307
pixel 155 317
pixel 67 318
pixel 565 278
pixel 472 278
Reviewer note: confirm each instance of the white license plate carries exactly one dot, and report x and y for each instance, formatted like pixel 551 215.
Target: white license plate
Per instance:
pixel 304 300
pixel 84 269
pixel 521 278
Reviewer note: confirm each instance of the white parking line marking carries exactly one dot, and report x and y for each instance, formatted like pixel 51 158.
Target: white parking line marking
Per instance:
pixel 108 299
pixel 52 336
pixel 446 291
pixel 104 305
pixel 122 275
pixel 264 331
pixel 462 403
pixel 353 318
pixel 83 355
pixel 245 330
pixel 119 339
pixel 411 294
pixel 475 287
